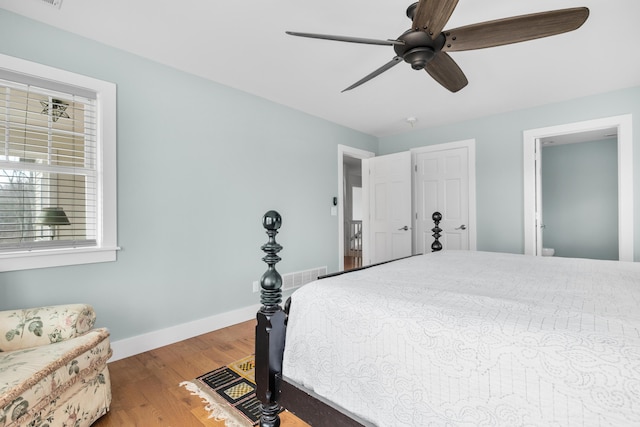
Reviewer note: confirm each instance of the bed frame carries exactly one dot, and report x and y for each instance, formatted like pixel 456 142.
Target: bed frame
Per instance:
pixel 273 389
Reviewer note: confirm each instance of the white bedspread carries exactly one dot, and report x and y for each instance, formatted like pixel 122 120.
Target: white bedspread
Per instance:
pixel 474 339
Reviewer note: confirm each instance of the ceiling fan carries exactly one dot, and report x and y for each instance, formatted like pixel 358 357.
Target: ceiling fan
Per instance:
pixel 425 44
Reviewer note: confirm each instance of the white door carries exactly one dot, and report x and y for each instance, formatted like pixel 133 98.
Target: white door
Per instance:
pixel 386 183
pixel 442 185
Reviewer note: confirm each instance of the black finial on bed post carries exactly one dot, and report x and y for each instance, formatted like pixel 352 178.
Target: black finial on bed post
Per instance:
pixel 271 327
pixel 271 281
pixel 436 245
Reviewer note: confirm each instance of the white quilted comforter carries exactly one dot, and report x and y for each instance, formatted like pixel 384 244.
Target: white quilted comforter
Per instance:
pixel 474 339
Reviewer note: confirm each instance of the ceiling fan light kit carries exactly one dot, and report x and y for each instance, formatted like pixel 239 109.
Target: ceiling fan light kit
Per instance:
pixel 425 44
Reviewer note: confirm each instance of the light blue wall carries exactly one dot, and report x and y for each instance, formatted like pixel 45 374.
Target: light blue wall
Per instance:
pixel 198 165
pixel 499 163
pixel 580 199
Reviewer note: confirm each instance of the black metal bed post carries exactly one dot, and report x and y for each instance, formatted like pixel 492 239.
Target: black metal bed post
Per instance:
pixel 436 245
pixel 270 330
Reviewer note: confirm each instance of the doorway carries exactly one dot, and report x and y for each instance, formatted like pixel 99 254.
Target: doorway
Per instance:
pixel 349 169
pixel 352 212
pixel 579 194
pixel 533 202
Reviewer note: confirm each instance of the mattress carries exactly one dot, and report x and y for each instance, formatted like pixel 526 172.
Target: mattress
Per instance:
pixel 462 338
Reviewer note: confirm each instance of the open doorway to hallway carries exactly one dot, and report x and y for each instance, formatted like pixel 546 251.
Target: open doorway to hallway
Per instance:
pixel 350 212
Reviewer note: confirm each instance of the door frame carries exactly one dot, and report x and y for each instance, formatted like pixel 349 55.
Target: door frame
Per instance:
pixel 345 151
pixel 470 145
pixel 532 190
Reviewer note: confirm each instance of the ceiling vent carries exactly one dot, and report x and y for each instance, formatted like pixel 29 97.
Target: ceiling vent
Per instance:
pixel 53 3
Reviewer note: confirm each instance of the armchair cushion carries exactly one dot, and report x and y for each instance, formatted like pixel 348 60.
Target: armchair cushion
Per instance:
pixel 34 327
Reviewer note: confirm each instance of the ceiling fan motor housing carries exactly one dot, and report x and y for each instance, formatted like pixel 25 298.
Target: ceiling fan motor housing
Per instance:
pixel 419 48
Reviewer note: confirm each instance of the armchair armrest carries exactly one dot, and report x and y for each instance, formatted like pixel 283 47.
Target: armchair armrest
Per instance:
pixel 34 327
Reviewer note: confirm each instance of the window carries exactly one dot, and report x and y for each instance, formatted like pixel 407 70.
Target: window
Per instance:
pixel 57 167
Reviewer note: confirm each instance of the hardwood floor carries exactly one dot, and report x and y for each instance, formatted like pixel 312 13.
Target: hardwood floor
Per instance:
pixel 146 389
pixel 351 262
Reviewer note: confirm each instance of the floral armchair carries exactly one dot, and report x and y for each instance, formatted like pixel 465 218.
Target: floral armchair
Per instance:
pixel 53 367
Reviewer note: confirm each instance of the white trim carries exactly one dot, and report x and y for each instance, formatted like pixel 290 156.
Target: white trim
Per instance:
pixel 107 166
pixel 470 145
pixel 159 338
pixel 106 169
pixel 56 258
pixel 624 124
pixel 358 154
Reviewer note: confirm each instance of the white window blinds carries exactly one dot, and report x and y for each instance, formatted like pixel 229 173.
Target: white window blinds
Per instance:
pixel 48 165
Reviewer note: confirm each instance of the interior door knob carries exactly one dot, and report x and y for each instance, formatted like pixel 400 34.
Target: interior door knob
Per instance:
pixel 405 228
pixel 462 227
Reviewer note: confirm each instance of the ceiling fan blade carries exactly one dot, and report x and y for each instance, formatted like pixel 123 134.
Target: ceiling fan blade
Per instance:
pixel 445 71
pixel 515 29
pixel 377 72
pixel 347 39
pixel 432 15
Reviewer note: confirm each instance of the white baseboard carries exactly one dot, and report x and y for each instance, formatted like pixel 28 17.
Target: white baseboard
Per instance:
pixel 145 342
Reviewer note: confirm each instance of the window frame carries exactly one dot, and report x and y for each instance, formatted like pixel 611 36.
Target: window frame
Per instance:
pixel 106 238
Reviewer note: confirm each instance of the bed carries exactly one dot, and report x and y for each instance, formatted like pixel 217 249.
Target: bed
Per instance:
pixel 453 338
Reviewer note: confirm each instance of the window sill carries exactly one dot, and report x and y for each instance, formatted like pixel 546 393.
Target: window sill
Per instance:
pixel 55 258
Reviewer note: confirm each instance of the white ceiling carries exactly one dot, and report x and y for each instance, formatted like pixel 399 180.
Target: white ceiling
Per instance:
pixel 243 44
